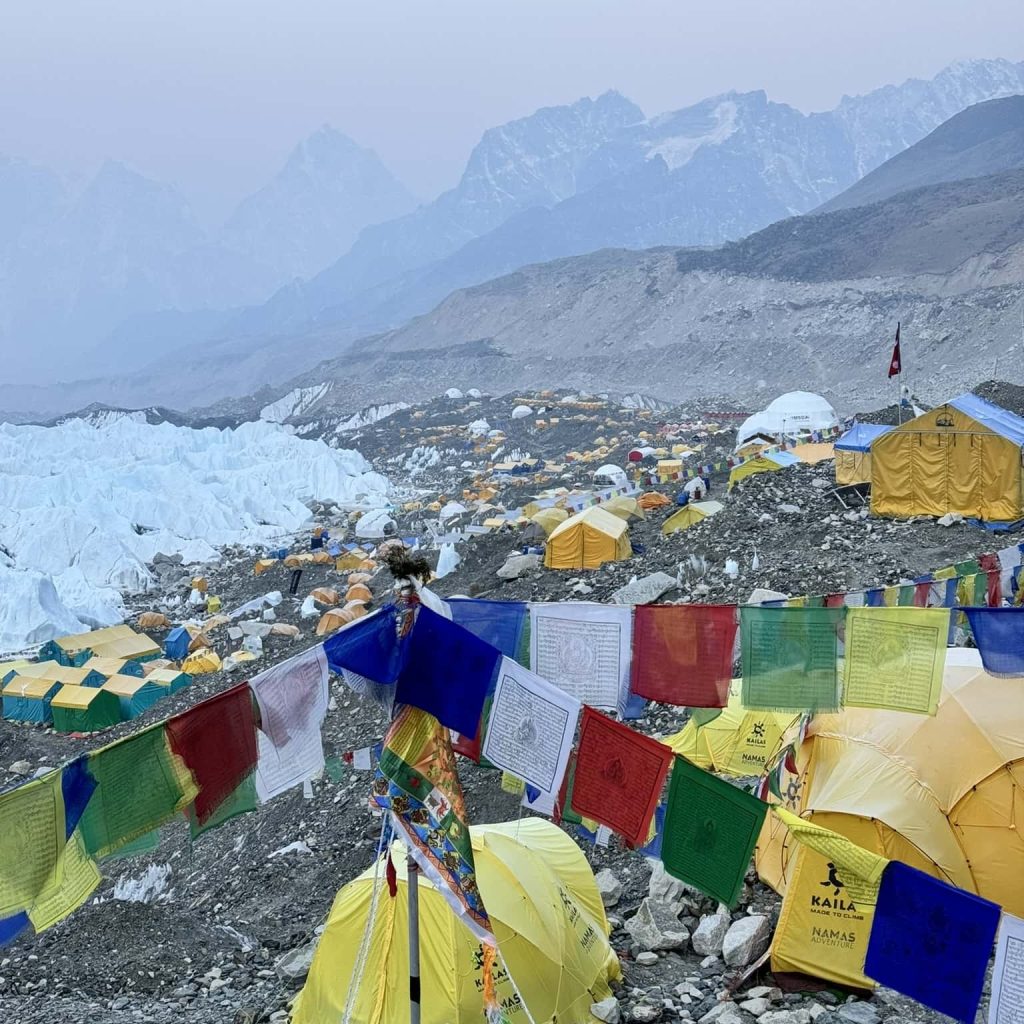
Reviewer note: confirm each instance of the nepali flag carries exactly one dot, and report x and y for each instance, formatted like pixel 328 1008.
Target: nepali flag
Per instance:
pixel 896 365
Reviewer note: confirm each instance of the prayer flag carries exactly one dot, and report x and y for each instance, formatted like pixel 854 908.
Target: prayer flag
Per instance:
pixel 418 783
pixel 79 880
pixel 217 742
pixel 619 776
pixel 77 787
pixel 499 623
pixel 367 647
pixel 446 671
pixel 790 658
pixel 584 649
pixel 140 784
pixel 11 927
pixel 241 801
pixel 292 700
pixel 711 828
pixel 895 658
pixel 1006 1005
pixel 32 838
pixel 858 869
pixel 896 362
pixel 931 941
pixel 682 654
pixel 999 636
pixel 531 727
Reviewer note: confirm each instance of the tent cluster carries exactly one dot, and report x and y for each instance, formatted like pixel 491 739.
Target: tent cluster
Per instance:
pixel 99 692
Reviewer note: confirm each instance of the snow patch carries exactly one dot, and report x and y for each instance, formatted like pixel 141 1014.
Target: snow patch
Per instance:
pixel 367 417
pixel 149 887
pixel 679 150
pixel 295 403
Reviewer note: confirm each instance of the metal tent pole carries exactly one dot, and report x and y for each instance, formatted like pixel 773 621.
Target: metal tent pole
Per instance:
pixel 413 889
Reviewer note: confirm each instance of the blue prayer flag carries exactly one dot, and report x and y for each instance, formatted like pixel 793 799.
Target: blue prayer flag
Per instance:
pixel 999 636
pixel 931 941
pixel 12 927
pixel 634 708
pixel 368 647
pixel 499 623
pixel 446 671
pixel 77 786
pixel 875 597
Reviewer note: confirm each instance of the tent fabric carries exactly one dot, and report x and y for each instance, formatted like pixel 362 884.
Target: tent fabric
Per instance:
pixel 170 679
pixel 548 518
pixel 624 507
pixel 202 662
pixel 108 667
pixel 689 515
pixel 84 709
pixel 177 643
pixel 758 464
pixel 788 415
pixel 653 499
pixel 78 648
pixel 942 794
pixel 133 694
pixel 948 461
pixel 610 474
pixel 999 420
pixel 587 540
pixel 28 700
pixel 812 454
pixel 738 742
pixel 860 437
pixel 547 917
pixel 853 452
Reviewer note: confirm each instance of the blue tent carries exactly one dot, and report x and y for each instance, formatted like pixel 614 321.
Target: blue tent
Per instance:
pixel 134 695
pixel 859 437
pixel 177 643
pixel 28 700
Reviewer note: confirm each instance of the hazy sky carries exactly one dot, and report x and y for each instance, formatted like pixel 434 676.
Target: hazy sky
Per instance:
pixel 212 94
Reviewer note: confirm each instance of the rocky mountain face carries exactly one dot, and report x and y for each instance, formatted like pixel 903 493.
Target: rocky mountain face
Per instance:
pixel 311 212
pixel 125 262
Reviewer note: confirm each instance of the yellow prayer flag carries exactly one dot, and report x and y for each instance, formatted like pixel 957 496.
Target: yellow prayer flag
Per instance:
pixel 945 574
pixel 512 784
pixel 796 602
pixel 891 597
pixel 81 877
pixel 859 869
pixel 31 841
pixel 895 658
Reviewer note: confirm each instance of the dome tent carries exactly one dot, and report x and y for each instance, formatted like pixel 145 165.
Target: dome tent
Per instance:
pixel 610 475
pixel 520 412
pixel 376 524
pixel 790 414
pixel 548 919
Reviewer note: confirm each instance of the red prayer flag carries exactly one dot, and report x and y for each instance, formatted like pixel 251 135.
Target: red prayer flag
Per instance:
pixel 922 592
pixel 619 776
pixel 834 600
pixel 896 363
pixel 682 653
pixel 217 741
pixel 995 588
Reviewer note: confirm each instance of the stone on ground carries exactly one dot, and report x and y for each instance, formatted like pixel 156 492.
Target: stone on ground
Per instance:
pixel 654 926
pixel 607 1010
pixel 709 935
pixel 858 1013
pixel 746 940
pixel 608 886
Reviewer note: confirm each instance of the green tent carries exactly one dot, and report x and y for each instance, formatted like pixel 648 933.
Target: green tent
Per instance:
pixel 84 709
pixel 170 679
pixel 134 695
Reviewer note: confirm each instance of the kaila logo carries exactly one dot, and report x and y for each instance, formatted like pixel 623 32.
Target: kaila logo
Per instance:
pixel 759 730
pixel 833 880
pixel 835 900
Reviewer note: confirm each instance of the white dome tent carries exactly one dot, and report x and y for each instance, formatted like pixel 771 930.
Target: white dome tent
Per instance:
pixel 793 413
pixel 453 393
pixel 610 476
pixel 376 524
pixel 520 412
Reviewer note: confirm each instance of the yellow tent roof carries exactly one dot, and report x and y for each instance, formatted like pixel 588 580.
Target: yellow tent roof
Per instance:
pixel 814 453
pixel 738 742
pixel 27 686
pixel 125 686
pixel 12 666
pixel 941 793
pixel 202 662
pixel 54 672
pixel 587 540
pixel 135 645
pixel 75 696
pixel 549 518
pixel 759 464
pixel 164 676
pixel 105 666
pixel 80 641
pixel 624 507
pixel 547 916
pixel 689 515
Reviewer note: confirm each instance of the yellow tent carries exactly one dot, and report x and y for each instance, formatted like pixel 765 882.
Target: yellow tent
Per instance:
pixel 548 518
pixel 624 507
pixel 814 453
pixel 853 452
pixel 668 469
pixel 961 457
pixel 546 913
pixel 689 515
pixel 653 499
pixel 202 662
pixel 943 794
pixel 588 540
pixel 738 742
pixel 770 463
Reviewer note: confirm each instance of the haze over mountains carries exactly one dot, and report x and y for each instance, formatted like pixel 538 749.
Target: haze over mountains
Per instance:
pixel 565 181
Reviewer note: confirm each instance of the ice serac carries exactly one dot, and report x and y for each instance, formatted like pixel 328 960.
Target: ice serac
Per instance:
pixel 329 189
pixel 297 402
pixel 83 509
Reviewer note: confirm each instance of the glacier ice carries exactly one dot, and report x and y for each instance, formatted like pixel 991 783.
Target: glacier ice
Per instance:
pixel 84 508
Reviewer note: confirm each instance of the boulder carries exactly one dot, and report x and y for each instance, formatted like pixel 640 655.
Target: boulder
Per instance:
pixel 755 1006
pixel 647 958
pixel 295 964
pixel 642 1012
pixel 516 565
pixel 607 1010
pixel 663 888
pixel 785 1017
pixel 710 933
pixel 645 590
pixel 608 886
pixel 746 940
pixel 858 1013
pixel 654 926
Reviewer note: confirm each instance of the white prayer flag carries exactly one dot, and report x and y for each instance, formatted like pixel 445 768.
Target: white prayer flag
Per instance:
pixel 584 649
pixel 531 727
pixel 1007 1003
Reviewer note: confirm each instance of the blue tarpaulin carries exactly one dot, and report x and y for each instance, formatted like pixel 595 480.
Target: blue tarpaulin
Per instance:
pixel 859 437
pixel 931 941
pixel 999 636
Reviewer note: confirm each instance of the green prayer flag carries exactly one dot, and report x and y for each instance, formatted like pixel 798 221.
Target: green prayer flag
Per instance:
pixel 140 784
pixel 703 716
pixel 334 767
pixel 241 801
pixel 906 598
pixel 146 843
pixel 710 831
pixel 790 658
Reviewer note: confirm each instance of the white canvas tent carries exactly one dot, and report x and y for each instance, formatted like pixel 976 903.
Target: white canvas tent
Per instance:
pixel 793 413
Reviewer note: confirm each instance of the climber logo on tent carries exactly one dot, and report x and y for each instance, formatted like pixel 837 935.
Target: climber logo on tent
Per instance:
pixel 833 881
pixel 759 730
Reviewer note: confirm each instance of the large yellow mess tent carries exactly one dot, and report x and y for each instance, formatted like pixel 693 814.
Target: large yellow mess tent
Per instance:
pixel 738 742
pixel 587 540
pixel 964 457
pixel 547 917
pixel 944 794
